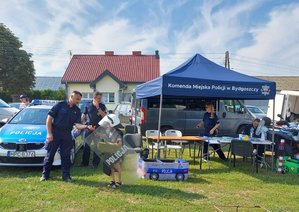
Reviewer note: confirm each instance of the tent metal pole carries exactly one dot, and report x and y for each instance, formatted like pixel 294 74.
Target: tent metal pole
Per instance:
pixel 135 108
pixel 272 146
pixel 159 127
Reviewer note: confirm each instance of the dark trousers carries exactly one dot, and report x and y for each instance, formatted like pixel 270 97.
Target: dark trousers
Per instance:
pixel 216 147
pixel 86 154
pixel 64 141
pixel 260 151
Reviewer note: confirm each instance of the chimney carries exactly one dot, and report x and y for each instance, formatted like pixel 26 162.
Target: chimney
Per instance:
pixel 136 53
pixel 157 54
pixel 109 53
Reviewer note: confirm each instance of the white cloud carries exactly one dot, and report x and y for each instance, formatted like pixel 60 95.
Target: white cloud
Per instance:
pixel 210 32
pixel 50 30
pixel 276 42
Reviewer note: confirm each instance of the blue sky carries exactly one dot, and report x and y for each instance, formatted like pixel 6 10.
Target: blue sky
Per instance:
pixel 261 36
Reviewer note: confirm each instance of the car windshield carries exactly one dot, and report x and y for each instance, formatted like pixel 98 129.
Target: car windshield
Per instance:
pixel 3 104
pixel 31 116
pixel 255 110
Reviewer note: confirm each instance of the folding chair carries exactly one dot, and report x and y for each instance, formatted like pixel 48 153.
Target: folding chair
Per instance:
pixel 244 149
pixel 131 129
pixel 178 144
pixel 133 141
pixel 153 147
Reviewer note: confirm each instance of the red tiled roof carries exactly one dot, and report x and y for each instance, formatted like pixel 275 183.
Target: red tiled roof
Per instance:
pixel 127 68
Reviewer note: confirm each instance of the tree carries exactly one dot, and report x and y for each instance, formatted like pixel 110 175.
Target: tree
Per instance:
pixel 60 94
pixel 16 67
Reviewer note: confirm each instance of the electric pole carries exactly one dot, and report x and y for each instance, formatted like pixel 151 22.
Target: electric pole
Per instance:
pixel 226 62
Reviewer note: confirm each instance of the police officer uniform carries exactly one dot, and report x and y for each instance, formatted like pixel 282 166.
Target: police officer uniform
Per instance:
pixel 64 119
pixel 94 118
pixel 209 123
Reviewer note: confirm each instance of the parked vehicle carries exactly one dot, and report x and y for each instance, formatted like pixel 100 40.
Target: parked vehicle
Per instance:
pixel 256 111
pixel 22 139
pixel 286 104
pixel 184 114
pixel 123 110
pixel 6 111
pixel 15 104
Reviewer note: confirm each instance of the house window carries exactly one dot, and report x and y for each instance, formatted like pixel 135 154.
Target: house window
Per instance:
pixel 108 97
pixel 87 95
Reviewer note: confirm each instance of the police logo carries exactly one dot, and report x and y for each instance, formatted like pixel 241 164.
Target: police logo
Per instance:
pixel 265 90
pixel 22 140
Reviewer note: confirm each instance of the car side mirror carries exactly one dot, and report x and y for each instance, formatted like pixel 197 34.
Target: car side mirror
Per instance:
pixel 4 120
pixel 223 114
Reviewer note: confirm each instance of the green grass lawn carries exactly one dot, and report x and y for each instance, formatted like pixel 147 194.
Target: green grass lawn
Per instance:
pixel 20 190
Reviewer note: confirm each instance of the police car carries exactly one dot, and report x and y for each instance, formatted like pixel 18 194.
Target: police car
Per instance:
pixel 22 139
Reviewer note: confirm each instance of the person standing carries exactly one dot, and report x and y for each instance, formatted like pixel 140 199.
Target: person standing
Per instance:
pixel 93 113
pixel 211 124
pixel 24 102
pixel 60 121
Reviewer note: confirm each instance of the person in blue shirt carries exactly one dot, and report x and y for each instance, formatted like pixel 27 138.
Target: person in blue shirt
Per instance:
pixel 93 113
pixel 211 124
pixel 250 130
pixel 60 121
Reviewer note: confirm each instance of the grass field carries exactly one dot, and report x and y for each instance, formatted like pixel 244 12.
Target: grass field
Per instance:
pixel 20 190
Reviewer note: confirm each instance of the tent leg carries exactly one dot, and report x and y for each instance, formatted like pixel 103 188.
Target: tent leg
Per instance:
pixel 272 146
pixel 159 127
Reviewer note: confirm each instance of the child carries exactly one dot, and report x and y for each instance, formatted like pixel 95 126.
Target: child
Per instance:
pixel 111 124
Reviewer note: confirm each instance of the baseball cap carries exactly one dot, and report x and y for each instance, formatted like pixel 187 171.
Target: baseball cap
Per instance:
pixel 23 96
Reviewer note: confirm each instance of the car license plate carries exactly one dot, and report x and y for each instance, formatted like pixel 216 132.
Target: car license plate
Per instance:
pixel 18 154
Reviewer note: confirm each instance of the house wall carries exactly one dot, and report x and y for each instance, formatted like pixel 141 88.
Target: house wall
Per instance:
pixel 81 87
pixel 105 85
pixel 127 92
pixel 108 85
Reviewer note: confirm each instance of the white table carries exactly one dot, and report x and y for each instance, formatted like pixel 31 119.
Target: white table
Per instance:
pixel 227 141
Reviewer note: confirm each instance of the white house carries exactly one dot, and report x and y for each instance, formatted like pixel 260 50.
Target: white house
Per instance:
pixel 113 75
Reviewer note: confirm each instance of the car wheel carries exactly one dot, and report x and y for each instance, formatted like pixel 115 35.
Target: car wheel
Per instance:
pixel 179 176
pixel 154 176
pixel 73 155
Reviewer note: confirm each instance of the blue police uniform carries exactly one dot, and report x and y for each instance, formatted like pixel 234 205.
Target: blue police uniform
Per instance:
pixel 260 148
pixel 91 112
pixel 64 119
pixel 209 123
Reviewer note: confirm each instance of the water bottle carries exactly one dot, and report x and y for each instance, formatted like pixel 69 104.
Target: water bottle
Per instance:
pixel 251 133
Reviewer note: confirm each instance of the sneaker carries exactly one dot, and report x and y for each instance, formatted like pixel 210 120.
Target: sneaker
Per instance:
pixel 68 180
pixel 112 184
pixel 118 184
pixel 43 178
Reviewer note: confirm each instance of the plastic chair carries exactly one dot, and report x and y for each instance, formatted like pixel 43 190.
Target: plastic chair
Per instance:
pixel 244 149
pixel 178 144
pixel 133 141
pixel 131 129
pixel 153 146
